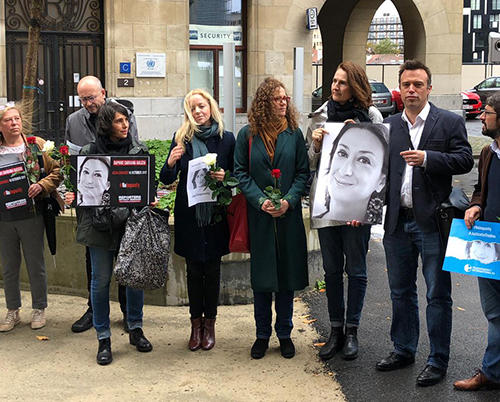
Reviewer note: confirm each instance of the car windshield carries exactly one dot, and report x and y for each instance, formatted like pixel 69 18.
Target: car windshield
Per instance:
pixel 378 87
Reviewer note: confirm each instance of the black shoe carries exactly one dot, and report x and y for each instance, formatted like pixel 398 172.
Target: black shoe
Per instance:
pixel 430 375
pixel 394 361
pixel 125 324
pixel 83 323
pixel 137 338
pixel 350 350
pixel 259 348
pixel 104 355
pixel 287 348
pixel 334 344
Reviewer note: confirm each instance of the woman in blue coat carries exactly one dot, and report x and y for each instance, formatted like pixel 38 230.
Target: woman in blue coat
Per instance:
pixel 273 141
pixel 198 237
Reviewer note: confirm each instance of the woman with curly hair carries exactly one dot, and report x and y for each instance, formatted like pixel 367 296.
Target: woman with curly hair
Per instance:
pixel 273 143
pixel 351 102
pixel 199 238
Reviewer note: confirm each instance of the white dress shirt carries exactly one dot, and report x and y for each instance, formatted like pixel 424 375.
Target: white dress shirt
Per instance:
pixel 415 135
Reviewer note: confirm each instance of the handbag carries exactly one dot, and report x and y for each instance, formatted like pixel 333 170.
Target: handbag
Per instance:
pixel 105 219
pixel 237 219
pixel 142 261
pixel 452 208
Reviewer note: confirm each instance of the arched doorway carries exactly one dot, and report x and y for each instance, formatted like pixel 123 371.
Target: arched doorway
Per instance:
pixel 432 34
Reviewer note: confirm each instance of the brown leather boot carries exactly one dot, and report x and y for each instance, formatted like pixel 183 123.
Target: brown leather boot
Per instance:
pixel 208 339
pixel 196 333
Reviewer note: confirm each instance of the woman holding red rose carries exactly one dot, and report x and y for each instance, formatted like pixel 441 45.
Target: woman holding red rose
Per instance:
pixel 26 230
pixel 271 152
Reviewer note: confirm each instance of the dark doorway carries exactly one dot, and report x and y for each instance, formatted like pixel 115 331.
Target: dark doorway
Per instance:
pixel 71 46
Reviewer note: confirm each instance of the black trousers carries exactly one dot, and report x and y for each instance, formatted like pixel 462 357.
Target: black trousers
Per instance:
pixel 203 282
pixel 122 296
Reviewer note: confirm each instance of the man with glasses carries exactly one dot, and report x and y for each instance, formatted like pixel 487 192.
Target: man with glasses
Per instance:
pixel 80 131
pixel 485 205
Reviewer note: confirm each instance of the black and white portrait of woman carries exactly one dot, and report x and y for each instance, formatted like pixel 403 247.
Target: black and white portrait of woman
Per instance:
pixel 198 180
pixel 353 171
pixel 478 250
pixel 93 180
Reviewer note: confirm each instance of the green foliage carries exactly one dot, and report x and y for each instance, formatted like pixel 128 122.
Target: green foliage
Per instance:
pixel 221 191
pixel 386 46
pixel 158 148
pixel 320 284
pixel 168 202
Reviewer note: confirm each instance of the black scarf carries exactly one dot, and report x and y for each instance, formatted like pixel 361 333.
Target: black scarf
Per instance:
pixel 340 113
pixel 106 146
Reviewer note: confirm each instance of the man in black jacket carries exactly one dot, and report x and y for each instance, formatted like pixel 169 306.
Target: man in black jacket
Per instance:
pixel 81 130
pixel 428 146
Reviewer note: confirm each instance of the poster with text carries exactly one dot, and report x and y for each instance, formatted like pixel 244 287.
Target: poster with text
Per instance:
pixel 352 173
pixel 104 180
pixel 474 251
pixel 14 201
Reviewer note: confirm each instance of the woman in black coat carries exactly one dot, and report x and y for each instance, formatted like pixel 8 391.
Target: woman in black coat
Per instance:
pixel 198 238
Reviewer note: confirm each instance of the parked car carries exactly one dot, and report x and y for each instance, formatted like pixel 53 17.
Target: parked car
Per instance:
pixel 396 99
pixel 487 87
pixel 471 104
pixel 382 98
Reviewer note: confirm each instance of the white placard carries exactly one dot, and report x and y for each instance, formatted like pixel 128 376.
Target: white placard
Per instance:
pixel 150 65
pixel 215 35
pixel 197 190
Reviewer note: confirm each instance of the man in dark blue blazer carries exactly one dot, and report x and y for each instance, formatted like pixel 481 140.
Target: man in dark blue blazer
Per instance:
pixel 428 146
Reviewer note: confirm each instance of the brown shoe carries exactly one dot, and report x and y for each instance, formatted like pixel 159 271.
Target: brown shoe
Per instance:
pixel 208 339
pixel 476 382
pixel 196 334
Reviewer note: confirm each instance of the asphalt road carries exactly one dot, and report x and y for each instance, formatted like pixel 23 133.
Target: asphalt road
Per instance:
pixel 359 379
pixel 473 127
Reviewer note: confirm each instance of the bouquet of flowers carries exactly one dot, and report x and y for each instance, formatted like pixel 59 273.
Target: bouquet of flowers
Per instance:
pixel 222 191
pixel 61 155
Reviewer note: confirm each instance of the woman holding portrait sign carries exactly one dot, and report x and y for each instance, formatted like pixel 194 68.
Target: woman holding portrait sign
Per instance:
pixel 200 238
pixel 343 247
pixel 98 234
pixel 27 231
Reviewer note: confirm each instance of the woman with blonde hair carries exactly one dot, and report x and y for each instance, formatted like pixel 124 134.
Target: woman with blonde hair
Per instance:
pixel 28 230
pixel 343 247
pixel 269 151
pixel 199 238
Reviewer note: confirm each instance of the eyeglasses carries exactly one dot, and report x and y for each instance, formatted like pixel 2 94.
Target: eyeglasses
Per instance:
pixel 86 99
pixel 279 99
pixel 488 112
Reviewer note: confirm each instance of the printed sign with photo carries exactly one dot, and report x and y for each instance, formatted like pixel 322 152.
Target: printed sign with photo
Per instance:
pixel 103 180
pixel 14 201
pixel 352 173
pixel 474 251
pixel 196 187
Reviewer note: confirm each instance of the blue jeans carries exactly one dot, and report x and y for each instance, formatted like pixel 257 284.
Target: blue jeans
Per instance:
pixel 349 244
pixel 489 292
pixel 283 304
pixel 402 249
pixel 102 268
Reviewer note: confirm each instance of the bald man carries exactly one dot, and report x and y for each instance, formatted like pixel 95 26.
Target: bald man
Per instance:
pixel 80 131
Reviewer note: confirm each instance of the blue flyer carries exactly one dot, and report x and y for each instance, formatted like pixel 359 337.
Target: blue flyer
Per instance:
pixel 474 252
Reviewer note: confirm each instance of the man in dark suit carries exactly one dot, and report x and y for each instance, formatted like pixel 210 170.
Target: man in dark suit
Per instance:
pixel 428 146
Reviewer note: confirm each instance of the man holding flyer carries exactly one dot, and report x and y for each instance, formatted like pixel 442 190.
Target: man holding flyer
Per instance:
pixel 485 205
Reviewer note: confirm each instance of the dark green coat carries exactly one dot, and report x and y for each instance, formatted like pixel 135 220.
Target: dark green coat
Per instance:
pixel 284 268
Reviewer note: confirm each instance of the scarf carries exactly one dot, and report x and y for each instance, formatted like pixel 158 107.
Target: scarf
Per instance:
pixel 340 113
pixel 106 146
pixel 204 210
pixel 269 135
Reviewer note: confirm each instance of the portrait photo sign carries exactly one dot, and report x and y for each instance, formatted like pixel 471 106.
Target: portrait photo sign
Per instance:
pixel 352 173
pixel 474 251
pixel 14 201
pixel 197 190
pixel 102 180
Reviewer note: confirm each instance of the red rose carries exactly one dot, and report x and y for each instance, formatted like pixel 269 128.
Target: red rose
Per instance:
pixel 64 150
pixel 31 140
pixel 276 173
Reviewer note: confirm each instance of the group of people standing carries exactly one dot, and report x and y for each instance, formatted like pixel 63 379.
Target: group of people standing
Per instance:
pixel 427 147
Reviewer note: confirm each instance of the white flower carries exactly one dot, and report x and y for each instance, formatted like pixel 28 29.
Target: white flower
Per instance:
pixel 48 146
pixel 210 159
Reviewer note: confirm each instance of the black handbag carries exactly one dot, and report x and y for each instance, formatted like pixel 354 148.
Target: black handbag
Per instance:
pixel 452 208
pixel 105 219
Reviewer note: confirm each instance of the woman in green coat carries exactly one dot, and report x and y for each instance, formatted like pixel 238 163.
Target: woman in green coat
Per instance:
pixel 273 143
